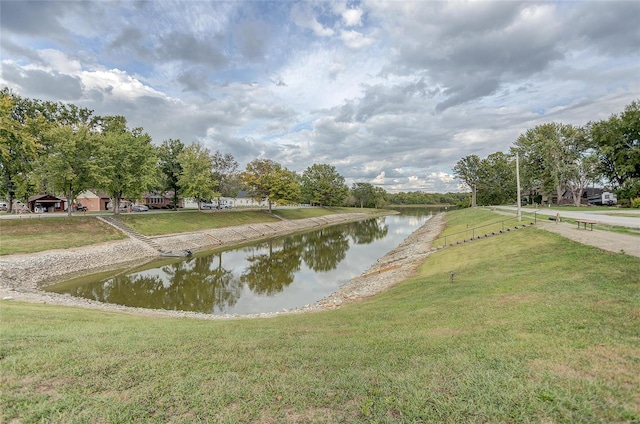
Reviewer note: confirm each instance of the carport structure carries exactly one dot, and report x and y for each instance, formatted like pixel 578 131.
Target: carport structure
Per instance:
pixel 46 203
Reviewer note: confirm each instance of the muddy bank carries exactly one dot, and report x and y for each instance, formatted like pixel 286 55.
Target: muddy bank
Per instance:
pixel 23 276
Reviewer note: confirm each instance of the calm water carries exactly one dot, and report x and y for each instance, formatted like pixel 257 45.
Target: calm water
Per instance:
pixel 269 276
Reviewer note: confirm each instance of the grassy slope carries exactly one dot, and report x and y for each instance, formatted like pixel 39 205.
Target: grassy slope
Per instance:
pixel 535 328
pixel 179 222
pixel 35 235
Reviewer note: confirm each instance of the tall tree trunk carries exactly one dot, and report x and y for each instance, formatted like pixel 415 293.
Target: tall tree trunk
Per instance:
pixel 559 193
pixel 69 200
pixel 116 203
pixel 12 195
pixel 473 195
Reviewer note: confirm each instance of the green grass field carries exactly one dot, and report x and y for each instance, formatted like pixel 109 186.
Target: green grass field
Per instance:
pixel 30 235
pixel 181 222
pixel 534 329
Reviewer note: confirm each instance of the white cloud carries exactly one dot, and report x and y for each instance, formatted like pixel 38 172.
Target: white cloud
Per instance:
pixel 379 179
pixel 355 40
pixel 117 83
pixel 302 15
pixel 352 17
pixel 58 61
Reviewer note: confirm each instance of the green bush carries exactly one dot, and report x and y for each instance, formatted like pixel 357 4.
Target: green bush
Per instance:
pixel 635 203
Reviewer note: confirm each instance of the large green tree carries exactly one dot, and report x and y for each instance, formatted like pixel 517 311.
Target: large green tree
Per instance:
pixel 617 142
pixel 546 151
pixel 323 185
pixel 44 147
pixel 226 174
pixel 19 147
pixel 364 194
pixel 196 179
pixel 128 161
pixel 467 170
pixel 170 167
pixel 267 179
pixel 497 182
pixel 69 163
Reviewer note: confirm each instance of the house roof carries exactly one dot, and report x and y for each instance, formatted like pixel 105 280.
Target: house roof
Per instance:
pixel 90 194
pixel 46 197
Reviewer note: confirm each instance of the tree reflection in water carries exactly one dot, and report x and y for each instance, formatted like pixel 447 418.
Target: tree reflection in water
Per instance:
pixel 272 270
pixel 203 284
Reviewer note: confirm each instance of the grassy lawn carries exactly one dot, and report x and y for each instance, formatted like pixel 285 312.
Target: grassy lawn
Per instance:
pixel 467 224
pixel 180 222
pixel 303 213
pixel 153 224
pixel 530 331
pixel 38 234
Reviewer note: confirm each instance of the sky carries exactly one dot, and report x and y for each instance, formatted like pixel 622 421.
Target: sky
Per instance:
pixel 391 93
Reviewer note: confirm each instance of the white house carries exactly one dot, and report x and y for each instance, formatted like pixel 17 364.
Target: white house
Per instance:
pixel 244 200
pixel 225 203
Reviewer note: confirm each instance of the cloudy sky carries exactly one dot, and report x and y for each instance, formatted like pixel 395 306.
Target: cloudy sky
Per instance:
pixel 392 93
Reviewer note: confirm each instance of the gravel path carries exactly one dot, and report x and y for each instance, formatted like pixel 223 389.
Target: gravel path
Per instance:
pixel 605 240
pixel 23 276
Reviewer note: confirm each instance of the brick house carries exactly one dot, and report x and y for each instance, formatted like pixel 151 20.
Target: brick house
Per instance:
pixel 93 201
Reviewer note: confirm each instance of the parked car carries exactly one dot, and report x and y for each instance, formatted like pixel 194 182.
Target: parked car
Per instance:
pixel 139 208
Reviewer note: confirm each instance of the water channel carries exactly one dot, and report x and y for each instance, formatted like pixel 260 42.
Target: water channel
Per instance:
pixel 267 276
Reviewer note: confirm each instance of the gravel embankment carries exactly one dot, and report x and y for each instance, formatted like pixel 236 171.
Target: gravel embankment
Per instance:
pixel 23 276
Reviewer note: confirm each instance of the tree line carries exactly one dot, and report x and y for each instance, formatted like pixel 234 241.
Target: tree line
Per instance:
pixel 60 148
pixel 557 159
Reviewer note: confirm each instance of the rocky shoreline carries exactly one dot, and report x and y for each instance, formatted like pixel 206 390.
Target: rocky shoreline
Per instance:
pixel 22 277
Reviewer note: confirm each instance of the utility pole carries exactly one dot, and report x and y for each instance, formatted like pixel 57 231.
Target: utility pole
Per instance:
pixel 518 185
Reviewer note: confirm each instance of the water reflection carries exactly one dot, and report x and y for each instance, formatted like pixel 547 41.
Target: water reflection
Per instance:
pixel 268 276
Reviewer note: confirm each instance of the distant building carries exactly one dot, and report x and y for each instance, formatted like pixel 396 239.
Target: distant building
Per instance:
pixel 157 200
pixel 244 200
pixel 93 201
pixel 225 203
pixel 47 203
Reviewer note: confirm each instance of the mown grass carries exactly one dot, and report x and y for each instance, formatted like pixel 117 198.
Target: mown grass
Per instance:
pixel 302 213
pixel 37 234
pixel 534 328
pixel 180 222
pixel 468 224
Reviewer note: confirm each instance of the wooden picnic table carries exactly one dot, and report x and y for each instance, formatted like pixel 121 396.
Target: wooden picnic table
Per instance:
pixel 585 222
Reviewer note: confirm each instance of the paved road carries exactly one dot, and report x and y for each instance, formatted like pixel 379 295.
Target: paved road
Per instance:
pixel 597 216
